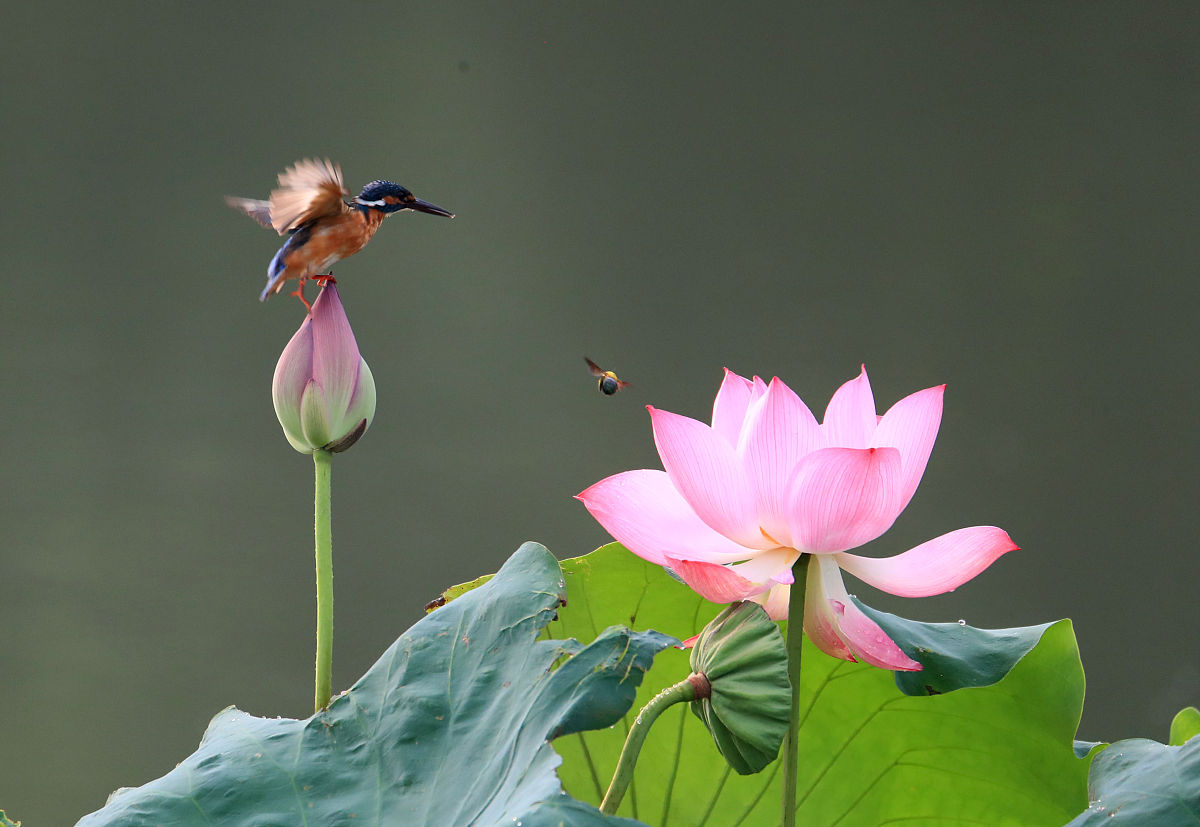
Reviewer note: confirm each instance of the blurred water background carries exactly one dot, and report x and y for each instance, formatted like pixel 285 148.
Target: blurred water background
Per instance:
pixel 1001 197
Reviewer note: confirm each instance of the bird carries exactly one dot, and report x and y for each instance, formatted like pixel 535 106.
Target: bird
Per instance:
pixel 322 226
pixel 608 382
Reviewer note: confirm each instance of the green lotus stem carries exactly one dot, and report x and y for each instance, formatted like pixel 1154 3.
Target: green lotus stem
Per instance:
pixel 322 460
pixel 795 645
pixel 685 690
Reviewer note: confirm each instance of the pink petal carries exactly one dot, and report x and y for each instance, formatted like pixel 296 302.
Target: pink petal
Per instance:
pixel 775 601
pixel 717 584
pixel 314 415
pixel 335 352
pixel 844 497
pixel 729 408
pixel 850 417
pixel 820 621
pixel 869 642
pixel 780 430
pixel 292 375
pixel 821 627
pixel 911 425
pixel 839 628
pixel 934 567
pixel 766 566
pixel 644 512
pixel 364 383
pixel 707 472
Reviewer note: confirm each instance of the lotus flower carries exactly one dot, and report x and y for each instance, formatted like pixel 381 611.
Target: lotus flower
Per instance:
pixel 323 391
pixel 742 499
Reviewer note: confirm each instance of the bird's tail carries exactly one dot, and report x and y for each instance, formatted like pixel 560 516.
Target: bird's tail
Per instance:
pixel 274 275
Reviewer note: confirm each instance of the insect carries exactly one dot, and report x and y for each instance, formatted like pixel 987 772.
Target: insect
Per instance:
pixel 608 383
pixel 310 208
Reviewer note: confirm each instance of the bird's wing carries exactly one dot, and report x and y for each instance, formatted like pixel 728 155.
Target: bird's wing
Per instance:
pixel 308 190
pixel 593 367
pixel 260 211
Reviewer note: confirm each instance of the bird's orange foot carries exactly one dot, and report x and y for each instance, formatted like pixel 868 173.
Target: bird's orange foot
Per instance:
pixel 299 293
pixel 325 279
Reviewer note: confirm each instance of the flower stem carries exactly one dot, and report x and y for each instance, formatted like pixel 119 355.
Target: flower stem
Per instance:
pixel 795 645
pixel 322 461
pixel 685 690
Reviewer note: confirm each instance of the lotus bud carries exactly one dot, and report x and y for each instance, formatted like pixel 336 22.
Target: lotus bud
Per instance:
pixel 323 391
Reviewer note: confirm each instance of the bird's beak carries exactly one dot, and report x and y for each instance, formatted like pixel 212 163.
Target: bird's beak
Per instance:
pixel 425 206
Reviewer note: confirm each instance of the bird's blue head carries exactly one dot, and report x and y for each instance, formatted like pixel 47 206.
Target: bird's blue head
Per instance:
pixel 389 198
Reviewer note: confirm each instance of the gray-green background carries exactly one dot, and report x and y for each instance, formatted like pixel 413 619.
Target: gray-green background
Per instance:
pixel 1002 197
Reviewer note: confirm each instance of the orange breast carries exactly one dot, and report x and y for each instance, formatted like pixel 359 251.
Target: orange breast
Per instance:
pixel 330 241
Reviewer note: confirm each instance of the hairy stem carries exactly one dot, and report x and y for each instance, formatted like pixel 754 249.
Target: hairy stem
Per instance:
pixel 795 644
pixel 685 690
pixel 322 461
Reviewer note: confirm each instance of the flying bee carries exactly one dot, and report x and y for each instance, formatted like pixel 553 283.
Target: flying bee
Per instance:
pixel 608 383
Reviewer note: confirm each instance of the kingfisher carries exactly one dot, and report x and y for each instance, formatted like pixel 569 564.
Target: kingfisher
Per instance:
pixel 607 381
pixel 323 227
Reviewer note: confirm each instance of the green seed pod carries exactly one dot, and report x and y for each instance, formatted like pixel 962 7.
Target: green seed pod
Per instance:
pixel 743 656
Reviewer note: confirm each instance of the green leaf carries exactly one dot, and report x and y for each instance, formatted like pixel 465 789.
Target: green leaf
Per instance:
pixel 954 655
pixel 449 727
pixel 1185 725
pixel 459 590
pixel 998 754
pixel 4 822
pixel 744 658
pixel 1138 782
